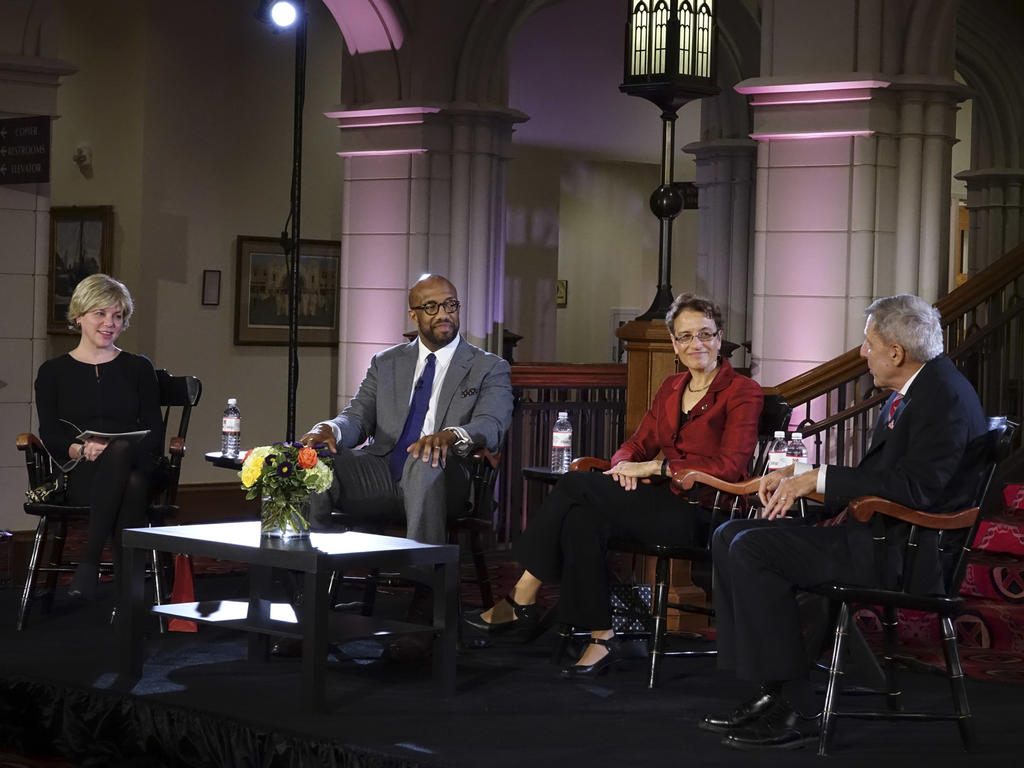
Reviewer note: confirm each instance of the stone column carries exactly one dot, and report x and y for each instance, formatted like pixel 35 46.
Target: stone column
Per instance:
pixel 423 191
pixel 29 77
pixel 997 214
pixel 726 169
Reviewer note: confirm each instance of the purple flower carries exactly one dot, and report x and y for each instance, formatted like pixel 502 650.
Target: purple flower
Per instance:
pixel 285 468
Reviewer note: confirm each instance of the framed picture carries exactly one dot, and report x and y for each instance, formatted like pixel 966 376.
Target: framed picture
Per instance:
pixel 261 292
pixel 81 244
pixel 211 287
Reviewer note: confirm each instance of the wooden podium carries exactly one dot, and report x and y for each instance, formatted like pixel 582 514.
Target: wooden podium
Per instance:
pixel 650 360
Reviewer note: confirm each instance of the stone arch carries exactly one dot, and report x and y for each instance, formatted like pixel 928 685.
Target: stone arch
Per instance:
pixel 991 66
pixel 374 32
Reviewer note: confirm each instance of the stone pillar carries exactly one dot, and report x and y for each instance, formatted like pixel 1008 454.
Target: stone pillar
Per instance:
pixel 997 214
pixel 29 77
pixel 423 191
pixel 726 169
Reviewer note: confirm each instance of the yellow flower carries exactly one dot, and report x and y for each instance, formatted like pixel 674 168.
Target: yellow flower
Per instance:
pixel 250 474
pixel 253 465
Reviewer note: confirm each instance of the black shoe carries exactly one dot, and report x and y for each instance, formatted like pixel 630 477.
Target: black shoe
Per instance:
pixel 83 584
pixel 781 727
pixel 599 667
pixel 409 647
pixel 287 648
pixel 746 713
pixel 525 623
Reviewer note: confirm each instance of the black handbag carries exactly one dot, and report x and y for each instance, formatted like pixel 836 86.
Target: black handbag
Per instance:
pixel 631 607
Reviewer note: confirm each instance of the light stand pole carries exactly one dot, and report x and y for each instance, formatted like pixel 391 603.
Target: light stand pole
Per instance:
pixel 291 240
pixel 669 60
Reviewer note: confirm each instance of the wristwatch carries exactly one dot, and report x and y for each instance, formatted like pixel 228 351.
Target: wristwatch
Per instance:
pixel 461 437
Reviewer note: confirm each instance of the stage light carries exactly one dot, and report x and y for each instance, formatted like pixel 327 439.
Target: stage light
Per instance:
pixel 282 13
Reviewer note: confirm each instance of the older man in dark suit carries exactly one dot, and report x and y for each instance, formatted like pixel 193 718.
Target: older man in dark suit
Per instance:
pixel 422 407
pixel 918 457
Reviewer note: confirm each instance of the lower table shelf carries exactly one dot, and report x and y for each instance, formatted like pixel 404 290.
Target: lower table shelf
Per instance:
pixel 233 614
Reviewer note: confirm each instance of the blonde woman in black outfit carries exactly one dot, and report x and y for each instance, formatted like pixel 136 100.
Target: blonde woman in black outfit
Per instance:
pixel 99 387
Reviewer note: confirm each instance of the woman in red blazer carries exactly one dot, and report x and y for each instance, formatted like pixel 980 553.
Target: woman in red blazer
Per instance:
pixel 703 419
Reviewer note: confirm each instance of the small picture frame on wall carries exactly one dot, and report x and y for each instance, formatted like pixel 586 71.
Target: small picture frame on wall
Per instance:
pixel 81 244
pixel 261 292
pixel 211 287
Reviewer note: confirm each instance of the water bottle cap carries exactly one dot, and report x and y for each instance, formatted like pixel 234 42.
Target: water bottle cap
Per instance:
pixel 798 435
pixel 780 433
pixel 563 414
pixel 232 401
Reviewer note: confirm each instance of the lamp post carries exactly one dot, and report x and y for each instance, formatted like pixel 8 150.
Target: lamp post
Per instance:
pixel 669 61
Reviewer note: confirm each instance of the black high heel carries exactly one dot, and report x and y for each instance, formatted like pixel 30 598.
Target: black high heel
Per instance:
pixel 83 583
pixel 526 621
pixel 600 666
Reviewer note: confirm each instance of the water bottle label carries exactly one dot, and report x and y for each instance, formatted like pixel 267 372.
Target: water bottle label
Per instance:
pixel 778 460
pixel 231 424
pixel 561 439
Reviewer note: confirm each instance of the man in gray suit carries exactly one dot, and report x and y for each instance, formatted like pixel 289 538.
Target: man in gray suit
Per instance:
pixel 421 409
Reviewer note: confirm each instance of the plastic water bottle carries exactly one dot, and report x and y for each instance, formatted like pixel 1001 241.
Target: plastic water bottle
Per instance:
pixel 231 430
pixel 796 450
pixel 778 452
pixel 561 443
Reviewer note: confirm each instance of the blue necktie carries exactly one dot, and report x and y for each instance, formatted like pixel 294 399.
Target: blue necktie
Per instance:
pixel 414 421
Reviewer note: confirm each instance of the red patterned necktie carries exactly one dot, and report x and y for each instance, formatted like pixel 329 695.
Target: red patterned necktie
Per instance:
pixel 893 406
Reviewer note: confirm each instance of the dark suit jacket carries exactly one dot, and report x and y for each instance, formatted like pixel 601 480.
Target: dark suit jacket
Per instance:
pixel 476 395
pixel 719 436
pixel 922 461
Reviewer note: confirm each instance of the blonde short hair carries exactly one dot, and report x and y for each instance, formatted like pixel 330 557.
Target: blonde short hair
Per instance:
pixel 96 292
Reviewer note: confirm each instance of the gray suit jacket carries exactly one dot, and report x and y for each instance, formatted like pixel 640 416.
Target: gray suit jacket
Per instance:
pixel 476 395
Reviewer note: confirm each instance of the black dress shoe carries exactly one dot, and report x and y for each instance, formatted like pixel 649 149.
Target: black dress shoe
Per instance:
pixel 781 727
pixel 746 713
pixel 599 667
pixel 525 623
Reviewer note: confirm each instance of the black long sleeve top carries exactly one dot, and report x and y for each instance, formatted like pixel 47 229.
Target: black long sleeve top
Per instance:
pixel 121 395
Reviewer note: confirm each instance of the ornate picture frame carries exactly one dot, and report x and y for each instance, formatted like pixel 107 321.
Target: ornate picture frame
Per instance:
pixel 81 244
pixel 261 292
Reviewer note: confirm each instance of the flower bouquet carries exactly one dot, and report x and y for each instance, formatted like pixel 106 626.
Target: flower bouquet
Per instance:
pixel 283 475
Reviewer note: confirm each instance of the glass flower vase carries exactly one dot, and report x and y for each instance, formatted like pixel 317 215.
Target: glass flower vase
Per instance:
pixel 282 519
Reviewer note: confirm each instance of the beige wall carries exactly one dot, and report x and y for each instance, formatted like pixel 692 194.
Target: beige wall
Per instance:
pixel 188 109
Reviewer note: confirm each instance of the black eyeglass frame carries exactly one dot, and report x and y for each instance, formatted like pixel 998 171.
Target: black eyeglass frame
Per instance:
pixel 710 337
pixel 451 306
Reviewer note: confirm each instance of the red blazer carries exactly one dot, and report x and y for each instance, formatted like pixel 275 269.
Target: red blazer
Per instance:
pixel 719 437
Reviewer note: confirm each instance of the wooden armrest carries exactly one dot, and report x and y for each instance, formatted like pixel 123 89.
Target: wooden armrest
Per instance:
pixel 27 440
pixel 588 463
pixel 864 507
pixel 686 481
pixel 177 446
pixel 818 497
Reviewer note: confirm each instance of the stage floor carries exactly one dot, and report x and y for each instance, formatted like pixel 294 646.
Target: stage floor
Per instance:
pixel 511 707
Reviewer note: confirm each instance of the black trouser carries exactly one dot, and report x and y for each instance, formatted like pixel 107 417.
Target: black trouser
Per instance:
pixel 116 488
pixel 758 566
pixel 566 539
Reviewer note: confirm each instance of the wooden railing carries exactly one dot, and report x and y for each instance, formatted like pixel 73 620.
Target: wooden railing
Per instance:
pixel 835 404
pixel 595 398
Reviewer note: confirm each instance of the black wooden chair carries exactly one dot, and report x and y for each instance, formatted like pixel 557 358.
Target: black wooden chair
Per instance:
pixel 728 501
pixel 472 523
pixel 953 535
pixel 176 392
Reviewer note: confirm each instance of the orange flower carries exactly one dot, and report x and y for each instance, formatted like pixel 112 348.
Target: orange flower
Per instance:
pixel 307 458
